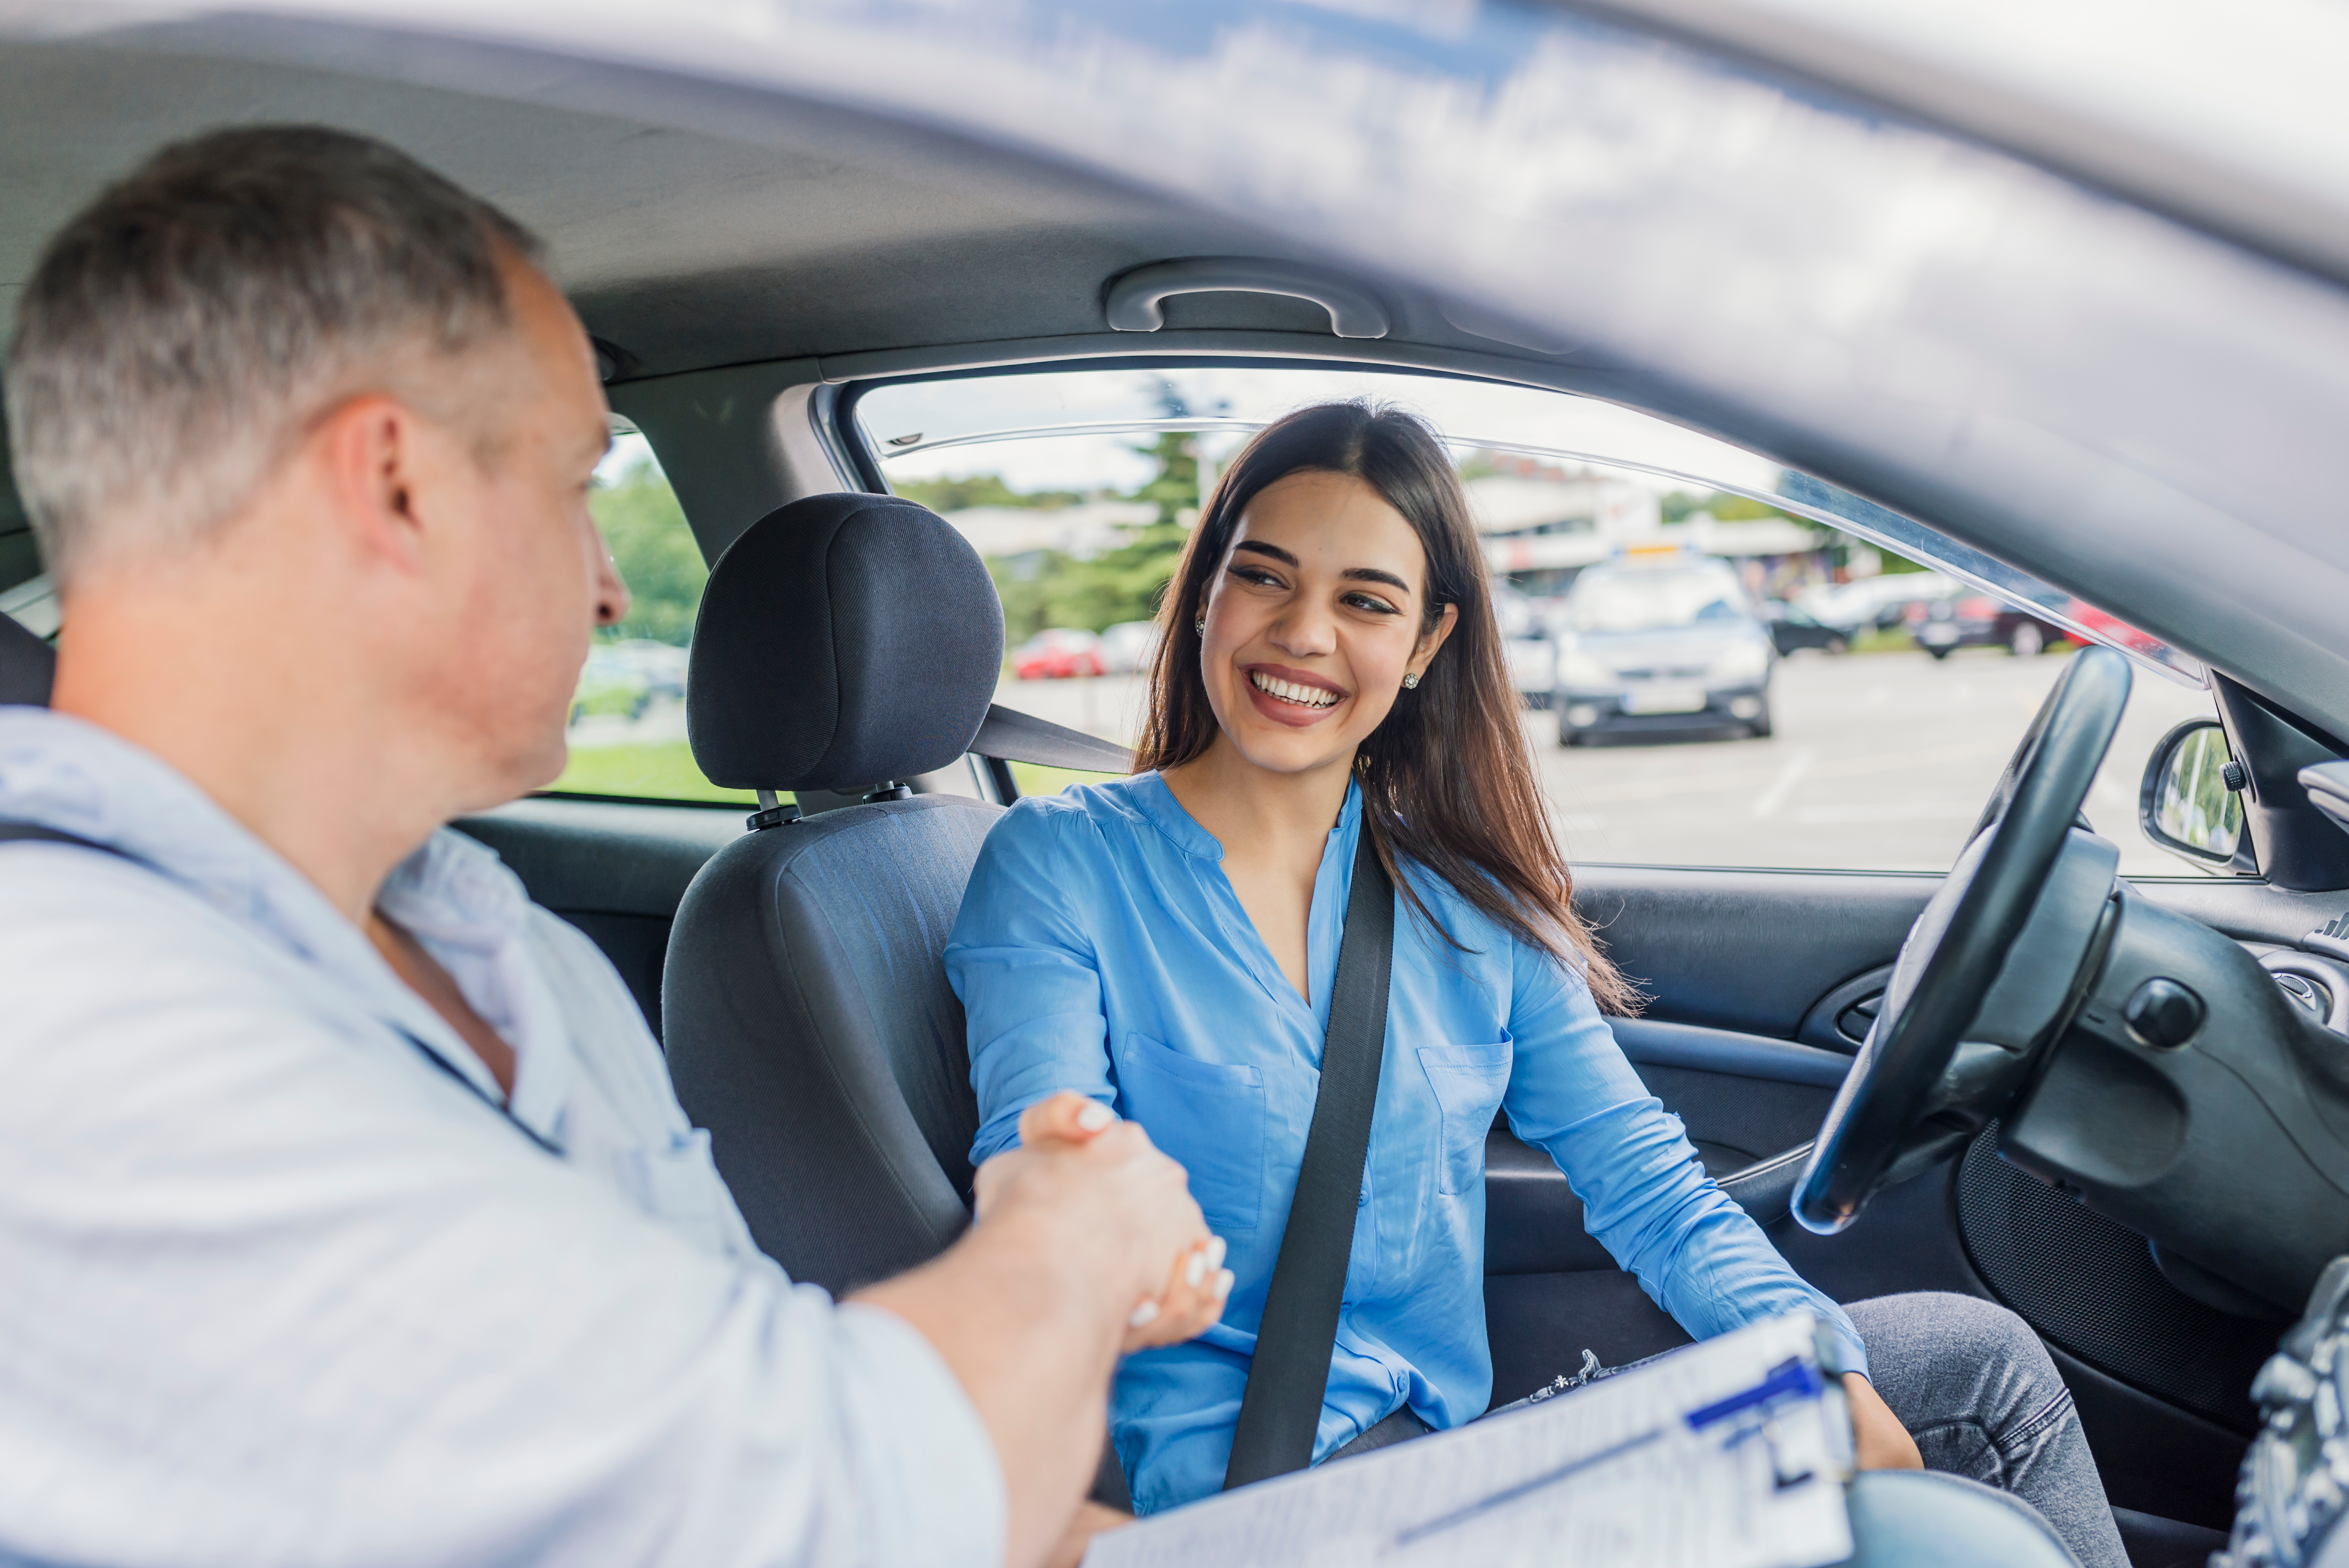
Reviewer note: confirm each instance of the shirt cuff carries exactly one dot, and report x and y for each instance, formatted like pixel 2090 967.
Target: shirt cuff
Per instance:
pixel 1841 1350
pixel 931 1483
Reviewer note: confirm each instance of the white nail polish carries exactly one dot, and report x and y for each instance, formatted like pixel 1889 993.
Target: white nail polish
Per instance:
pixel 1095 1116
pixel 1216 1250
pixel 1224 1278
pixel 1195 1269
pixel 1144 1316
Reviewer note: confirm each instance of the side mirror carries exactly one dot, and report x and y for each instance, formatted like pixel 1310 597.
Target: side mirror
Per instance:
pixel 2191 803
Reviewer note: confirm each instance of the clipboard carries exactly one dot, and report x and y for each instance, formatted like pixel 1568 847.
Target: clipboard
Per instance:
pixel 1729 1454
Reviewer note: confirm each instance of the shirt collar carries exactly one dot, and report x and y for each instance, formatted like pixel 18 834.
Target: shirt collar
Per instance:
pixel 1156 801
pixel 69 775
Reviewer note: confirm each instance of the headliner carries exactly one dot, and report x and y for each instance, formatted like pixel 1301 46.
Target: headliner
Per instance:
pixel 783 231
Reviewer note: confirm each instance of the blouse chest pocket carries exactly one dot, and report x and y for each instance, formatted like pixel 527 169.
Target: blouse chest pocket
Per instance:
pixel 1207 1116
pixel 1468 1081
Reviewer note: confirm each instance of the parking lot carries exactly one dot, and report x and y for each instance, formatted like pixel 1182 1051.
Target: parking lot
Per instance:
pixel 1880 761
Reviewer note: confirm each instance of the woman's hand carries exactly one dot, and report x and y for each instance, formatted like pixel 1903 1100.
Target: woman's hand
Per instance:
pixel 1198 1284
pixel 1877 1439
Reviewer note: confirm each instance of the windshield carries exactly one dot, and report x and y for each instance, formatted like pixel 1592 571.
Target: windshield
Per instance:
pixel 1651 602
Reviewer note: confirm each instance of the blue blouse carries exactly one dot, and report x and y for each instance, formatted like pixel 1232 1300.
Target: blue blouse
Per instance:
pixel 1101 949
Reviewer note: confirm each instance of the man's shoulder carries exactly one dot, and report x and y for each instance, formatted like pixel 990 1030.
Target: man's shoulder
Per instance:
pixel 89 936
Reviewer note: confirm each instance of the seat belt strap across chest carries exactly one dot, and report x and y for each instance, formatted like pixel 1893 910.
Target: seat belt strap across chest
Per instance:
pixel 1289 1375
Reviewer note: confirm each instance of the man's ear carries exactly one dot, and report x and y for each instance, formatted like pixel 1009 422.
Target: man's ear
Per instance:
pixel 370 450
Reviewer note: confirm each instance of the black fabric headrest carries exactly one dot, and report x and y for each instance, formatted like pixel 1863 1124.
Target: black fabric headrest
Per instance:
pixel 843 640
pixel 27 665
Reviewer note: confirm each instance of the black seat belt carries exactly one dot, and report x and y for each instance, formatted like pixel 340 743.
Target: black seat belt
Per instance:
pixel 1290 1376
pixel 32 832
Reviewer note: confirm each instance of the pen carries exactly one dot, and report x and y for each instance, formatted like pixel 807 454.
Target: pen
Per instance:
pixel 1793 1377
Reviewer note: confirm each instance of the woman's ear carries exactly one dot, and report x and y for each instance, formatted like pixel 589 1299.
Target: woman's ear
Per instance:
pixel 1424 655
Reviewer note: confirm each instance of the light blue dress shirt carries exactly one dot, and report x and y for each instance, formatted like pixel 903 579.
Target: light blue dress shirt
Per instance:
pixel 1101 949
pixel 275 1289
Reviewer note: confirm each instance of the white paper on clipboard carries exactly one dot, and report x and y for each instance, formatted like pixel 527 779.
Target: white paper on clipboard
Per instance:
pixel 1612 1476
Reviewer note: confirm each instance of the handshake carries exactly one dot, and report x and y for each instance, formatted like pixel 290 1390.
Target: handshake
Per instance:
pixel 1102 1185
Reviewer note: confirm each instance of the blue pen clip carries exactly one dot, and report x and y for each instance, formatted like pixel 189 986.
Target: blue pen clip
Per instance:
pixel 1793 1378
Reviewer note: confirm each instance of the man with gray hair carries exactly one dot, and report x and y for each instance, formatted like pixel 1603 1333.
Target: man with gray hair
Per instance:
pixel 345 1212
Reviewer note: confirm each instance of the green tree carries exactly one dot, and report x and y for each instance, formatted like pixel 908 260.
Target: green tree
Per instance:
pixel 656 552
pixel 1123 582
pixel 968 491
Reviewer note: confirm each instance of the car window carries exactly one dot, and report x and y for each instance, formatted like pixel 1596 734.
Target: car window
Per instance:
pixel 1722 663
pixel 627 714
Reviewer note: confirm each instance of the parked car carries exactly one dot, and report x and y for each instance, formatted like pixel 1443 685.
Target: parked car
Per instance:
pixel 1129 646
pixel 1526 641
pixel 1661 646
pixel 1968 619
pixel 1792 629
pixel 1871 604
pixel 1058 653
pixel 661 665
pixel 611 684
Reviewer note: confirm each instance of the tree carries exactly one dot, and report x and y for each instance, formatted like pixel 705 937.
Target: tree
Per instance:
pixel 1123 582
pixel 656 552
pixel 967 490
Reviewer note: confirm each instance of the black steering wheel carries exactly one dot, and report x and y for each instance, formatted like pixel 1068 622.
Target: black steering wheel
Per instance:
pixel 1969 1004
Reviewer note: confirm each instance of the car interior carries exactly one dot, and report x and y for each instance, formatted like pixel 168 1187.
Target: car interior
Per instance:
pixel 2033 1129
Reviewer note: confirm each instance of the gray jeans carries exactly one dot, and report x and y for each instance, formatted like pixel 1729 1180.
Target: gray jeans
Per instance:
pixel 1973 1385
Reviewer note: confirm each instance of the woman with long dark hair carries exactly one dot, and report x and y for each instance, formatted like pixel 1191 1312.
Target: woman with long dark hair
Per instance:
pixel 1167 944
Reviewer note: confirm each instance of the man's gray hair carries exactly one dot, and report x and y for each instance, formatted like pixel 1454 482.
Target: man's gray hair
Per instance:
pixel 179 333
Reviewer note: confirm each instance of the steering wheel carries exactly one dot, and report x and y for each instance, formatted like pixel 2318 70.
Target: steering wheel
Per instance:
pixel 1927 1079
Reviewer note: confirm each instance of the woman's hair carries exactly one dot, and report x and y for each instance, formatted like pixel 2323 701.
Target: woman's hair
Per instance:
pixel 1446 779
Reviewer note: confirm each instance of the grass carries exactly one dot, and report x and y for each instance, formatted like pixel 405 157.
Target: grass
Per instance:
pixel 649 771
pixel 664 770
pixel 1035 779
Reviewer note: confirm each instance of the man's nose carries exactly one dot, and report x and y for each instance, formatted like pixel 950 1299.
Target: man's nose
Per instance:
pixel 611 593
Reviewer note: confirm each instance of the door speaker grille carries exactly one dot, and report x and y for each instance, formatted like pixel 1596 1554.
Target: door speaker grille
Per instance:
pixel 2089 1285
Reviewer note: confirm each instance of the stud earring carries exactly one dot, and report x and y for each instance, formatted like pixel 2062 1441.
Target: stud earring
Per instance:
pixel 1200 625
pixel 1410 683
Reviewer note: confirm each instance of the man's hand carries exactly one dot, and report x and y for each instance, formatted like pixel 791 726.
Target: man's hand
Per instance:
pixel 1081 1231
pixel 1192 1293
pixel 1879 1440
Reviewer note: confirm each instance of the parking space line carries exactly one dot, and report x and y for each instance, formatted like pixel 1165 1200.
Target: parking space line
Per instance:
pixel 1774 794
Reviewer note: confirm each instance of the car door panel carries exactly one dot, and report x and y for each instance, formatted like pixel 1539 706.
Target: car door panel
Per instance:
pixel 1746 950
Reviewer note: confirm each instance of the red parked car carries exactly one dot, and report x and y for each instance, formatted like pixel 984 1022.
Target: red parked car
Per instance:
pixel 1057 651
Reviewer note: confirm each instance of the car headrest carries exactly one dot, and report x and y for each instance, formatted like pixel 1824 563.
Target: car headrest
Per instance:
pixel 27 665
pixel 843 641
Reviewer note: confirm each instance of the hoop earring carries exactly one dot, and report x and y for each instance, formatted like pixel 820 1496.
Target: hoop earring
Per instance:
pixel 1410 683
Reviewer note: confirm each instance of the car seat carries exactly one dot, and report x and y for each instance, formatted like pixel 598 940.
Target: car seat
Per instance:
pixel 27 664
pixel 846 644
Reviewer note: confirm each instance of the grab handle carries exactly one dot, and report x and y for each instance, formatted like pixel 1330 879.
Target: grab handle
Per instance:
pixel 1137 299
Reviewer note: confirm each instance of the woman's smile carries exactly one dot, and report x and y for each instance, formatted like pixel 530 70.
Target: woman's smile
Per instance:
pixel 1291 696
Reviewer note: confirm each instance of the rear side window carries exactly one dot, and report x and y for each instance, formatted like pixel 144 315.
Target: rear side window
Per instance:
pixel 627 716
